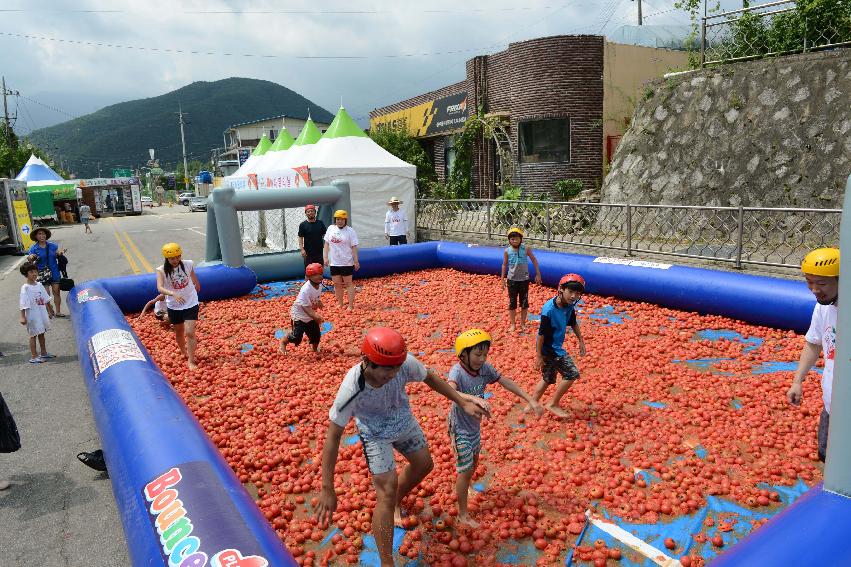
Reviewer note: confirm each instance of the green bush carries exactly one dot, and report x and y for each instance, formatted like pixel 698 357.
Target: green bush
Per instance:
pixel 567 189
pixel 399 142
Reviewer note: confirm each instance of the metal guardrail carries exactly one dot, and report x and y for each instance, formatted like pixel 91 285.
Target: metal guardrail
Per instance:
pixel 734 235
pixel 769 29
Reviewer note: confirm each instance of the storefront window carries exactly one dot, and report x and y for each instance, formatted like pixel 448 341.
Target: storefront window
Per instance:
pixel 449 154
pixel 545 140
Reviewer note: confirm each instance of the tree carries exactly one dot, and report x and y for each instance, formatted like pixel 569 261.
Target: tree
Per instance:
pixel 194 167
pixel 14 154
pixel 399 142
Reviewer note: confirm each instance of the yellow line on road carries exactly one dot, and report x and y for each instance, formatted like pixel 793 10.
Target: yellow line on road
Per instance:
pixel 132 244
pixel 130 260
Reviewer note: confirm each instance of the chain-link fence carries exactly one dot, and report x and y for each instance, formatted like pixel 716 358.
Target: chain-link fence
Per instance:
pixel 275 230
pixel 735 235
pixel 774 28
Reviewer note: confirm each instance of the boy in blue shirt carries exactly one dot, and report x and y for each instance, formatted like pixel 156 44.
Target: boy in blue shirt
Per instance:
pixel 556 316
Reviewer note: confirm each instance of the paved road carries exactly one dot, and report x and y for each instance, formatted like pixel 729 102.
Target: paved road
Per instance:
pixel 59 512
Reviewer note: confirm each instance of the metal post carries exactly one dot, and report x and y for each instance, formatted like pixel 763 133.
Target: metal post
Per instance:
pixel 740 231
pixel 702 42
pixel 549 226
pixel 639 12
pixel 489 218
pixel 183 144
pixel 837 469
pixel 628 229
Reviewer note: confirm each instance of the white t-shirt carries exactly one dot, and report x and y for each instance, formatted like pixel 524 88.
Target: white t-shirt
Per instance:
pixel 822 332
pixel 396 223
pixel 340 242
pixel 380 413
pixel 181 283
pixel 85 211
pixel 34 299
pixel 308 296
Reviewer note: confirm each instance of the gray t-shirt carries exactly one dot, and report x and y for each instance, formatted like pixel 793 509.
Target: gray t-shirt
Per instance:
pixel 383 413
pixel 474 386
pixel 85 211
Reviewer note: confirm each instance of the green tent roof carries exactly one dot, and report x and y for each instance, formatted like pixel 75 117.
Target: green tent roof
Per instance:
pixel 262 146
pixel 283 142
pixel 310 134
pixel 344 126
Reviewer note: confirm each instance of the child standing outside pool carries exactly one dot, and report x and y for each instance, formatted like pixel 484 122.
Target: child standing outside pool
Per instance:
pixel 557 315
pixel 36 312
pixel 515 276
pixel 470 376
pixel 305 319
pixel 160 310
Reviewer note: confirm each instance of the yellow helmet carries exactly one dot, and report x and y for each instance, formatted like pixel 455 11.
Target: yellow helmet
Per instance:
pixel 822 262
pixel 515 230
pixel 341 214
pixel 172 250
pixel 469 339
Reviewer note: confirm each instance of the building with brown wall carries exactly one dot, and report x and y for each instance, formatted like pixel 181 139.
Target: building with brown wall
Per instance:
pixel 565 101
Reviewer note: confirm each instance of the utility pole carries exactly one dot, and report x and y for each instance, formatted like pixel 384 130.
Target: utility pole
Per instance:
pixel 6 119
pixel 639 12
pixel 183 143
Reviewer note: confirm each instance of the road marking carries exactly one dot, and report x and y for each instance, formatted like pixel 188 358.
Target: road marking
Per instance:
pixel 130 260
pixel 14 266
pixel 197 231
pixel 145 263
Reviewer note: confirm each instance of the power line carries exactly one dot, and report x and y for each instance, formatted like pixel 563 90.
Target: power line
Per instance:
pixel 47 106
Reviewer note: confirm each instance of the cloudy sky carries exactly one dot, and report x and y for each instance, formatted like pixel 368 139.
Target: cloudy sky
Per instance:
pixel 72 57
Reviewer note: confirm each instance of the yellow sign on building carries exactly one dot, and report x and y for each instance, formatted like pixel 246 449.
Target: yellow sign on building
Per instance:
pixel 25 226
pixel 427 119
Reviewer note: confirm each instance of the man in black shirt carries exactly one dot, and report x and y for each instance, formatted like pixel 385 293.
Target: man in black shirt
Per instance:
pixel 310 233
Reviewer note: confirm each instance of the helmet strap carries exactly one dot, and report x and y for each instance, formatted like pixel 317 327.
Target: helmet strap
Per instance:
pixel 465 364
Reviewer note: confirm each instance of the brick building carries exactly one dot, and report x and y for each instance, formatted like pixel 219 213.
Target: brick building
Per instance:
pixel 565 101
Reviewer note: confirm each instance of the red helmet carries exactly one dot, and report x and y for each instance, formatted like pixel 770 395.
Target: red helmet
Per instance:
pixel 309 208
pixel 384 346
pixel 313 270
pixel 571 278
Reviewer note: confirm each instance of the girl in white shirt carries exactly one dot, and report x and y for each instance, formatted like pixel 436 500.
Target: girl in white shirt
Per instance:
pixel 341 255
pixel 177 281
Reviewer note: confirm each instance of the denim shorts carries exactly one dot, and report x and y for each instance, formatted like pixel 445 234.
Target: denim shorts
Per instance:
pixel 379 452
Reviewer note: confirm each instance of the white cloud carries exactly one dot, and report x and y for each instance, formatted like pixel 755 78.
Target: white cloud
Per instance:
pixel 117 74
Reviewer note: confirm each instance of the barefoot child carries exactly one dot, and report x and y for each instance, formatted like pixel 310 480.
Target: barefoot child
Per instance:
pixel 470 377
pixel 305 319
pixel 373 392
pixel 556 316
pixel 36 312
pixel 176 280
pixel 160 310
pixel 515 275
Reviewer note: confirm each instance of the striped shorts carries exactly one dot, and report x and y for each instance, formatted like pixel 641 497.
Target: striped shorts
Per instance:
pixel 466 447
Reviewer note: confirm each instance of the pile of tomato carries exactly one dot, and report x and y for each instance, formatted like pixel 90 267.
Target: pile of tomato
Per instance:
pixel 268 412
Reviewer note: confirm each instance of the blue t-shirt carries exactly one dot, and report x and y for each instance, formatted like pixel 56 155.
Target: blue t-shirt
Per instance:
pixel 554 323
pixel 47 258
pixel 473 385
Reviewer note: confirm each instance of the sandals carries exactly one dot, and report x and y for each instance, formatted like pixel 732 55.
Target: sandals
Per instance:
pixel 60 315
pixel 93 460
pixel 36 360
pixel 47 355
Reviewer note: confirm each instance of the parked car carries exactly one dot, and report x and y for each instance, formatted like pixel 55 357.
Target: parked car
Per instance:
pixel 147 201
pixel 183 198
pixel 198 204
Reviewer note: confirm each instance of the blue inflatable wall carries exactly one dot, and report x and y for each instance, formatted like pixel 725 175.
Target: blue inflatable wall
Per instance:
pixel 177 496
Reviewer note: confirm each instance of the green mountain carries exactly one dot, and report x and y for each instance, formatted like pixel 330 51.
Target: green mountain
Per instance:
pixel 120 135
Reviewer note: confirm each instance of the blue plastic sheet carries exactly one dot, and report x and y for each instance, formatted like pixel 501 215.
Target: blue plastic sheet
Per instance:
pixel 369 555
pixel 715 335
pixel 607 316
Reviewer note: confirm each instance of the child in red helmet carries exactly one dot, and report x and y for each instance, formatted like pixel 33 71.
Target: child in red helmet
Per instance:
pixel 373 392
pixel 303 313
pixel 556 316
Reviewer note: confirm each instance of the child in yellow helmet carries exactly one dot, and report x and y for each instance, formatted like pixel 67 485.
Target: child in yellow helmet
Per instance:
pixel 821 270
pixel 176 280
pixel 470 376
pixel 515 276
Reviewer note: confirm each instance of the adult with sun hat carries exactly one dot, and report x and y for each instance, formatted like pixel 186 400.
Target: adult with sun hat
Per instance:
pixel 821 271
pixel 45 255
pixel 341 256
pixel 176 280
pixel 373 392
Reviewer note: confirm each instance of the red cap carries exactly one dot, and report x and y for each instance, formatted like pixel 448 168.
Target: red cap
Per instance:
pixel 384 346
pixel 309 208
pixel 571 278
pixel 313 270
